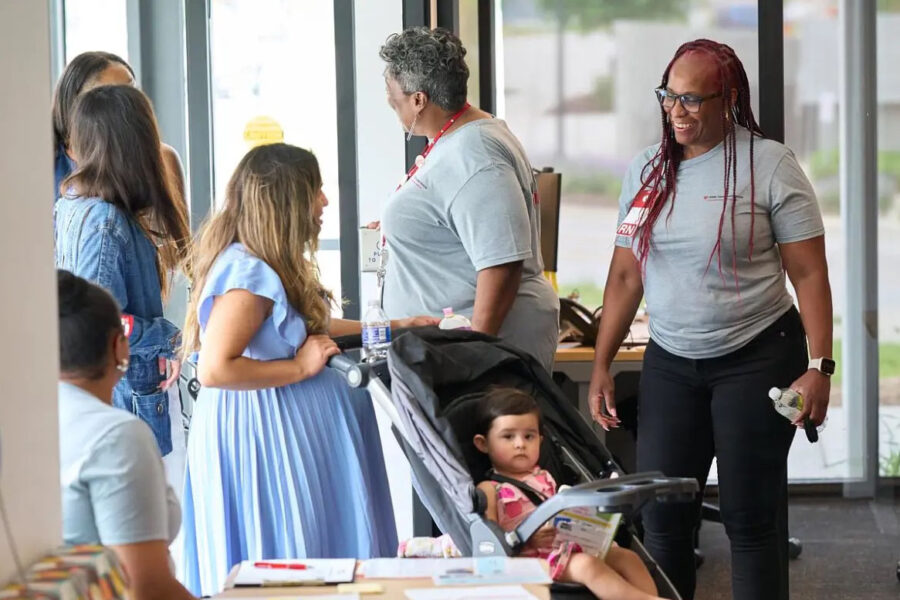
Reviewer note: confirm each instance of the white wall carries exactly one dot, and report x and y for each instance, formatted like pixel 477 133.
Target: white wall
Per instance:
pixel 29 474
pixel 381 156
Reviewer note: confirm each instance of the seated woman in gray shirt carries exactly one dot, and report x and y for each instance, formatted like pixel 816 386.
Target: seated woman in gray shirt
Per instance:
pixel 114 489
pixel 462 229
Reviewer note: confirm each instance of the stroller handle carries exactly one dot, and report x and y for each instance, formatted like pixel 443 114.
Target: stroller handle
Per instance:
pixel 357 375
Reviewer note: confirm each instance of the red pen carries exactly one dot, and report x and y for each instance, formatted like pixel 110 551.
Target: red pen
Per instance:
pixel 291 566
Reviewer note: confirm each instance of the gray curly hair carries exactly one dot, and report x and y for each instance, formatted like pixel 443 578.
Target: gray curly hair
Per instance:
pixel 430 61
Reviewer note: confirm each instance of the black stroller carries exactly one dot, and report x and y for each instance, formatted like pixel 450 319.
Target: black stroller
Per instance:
pixel 429 387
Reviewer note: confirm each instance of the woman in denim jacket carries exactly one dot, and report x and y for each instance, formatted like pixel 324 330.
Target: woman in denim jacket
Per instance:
pixel 120 226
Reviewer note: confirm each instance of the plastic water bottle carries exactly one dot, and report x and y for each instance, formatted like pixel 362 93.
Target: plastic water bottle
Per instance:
pixel 789 404
pixel 376 333
pixel 453 321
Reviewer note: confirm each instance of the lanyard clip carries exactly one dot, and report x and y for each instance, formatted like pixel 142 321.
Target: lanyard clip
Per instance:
pixel 382 264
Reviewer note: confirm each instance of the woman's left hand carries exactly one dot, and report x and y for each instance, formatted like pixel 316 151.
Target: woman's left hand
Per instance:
pixel 410 322
pixel 815 387
pixel 174 371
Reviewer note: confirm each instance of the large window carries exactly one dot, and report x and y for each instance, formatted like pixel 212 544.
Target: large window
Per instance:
pixel 811 130
pixel 273 74
pixel 96 25
pixel 578 92
pixel 889 237
pixel 811 110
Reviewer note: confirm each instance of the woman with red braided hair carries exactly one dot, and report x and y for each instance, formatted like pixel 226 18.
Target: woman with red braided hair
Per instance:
pixel 710 220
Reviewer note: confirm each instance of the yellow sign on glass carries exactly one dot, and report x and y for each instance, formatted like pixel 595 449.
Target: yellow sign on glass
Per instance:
pixel 263 130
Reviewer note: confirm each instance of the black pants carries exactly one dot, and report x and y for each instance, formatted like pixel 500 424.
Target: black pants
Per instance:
pixel 692 410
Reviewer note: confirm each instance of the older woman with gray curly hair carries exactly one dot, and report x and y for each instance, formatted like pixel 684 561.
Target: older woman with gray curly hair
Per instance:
pixel 462 228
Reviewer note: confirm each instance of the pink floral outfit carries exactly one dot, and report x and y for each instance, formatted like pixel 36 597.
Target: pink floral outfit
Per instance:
pixel 513 507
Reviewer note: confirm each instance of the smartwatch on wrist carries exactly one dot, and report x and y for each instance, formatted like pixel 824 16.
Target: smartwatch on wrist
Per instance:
pixel 823 365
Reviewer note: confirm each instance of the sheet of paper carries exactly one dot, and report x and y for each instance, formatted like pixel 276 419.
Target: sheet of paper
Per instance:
pixel 505 592
pixel 450 571
pixel 410 568
pixel 494 570
pixel 316 597
pixel 295 572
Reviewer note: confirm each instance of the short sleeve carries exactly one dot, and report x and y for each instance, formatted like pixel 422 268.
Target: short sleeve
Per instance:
pixel 126 481
pixel 242 271
pixel 548 484
pixel 631 183
pixel 794 212
pixel 512 505
pixel 490 218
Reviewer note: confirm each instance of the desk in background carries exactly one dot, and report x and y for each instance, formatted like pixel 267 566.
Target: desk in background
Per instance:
pixel 577 362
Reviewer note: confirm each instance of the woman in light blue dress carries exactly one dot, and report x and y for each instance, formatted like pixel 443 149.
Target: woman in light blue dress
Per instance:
pixel 284 459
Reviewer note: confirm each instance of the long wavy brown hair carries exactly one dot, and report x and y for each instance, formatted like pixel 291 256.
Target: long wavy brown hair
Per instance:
pixel 116 143
pixel 271 206
pixel 660 173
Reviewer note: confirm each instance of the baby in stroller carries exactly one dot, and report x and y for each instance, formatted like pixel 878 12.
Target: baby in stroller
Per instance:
pixel 508 426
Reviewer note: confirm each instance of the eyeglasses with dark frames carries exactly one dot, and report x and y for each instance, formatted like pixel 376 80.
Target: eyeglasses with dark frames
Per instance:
pixel 690 102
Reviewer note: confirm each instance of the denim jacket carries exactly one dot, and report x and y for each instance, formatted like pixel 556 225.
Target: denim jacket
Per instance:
pixel 62 167
pixel 97 241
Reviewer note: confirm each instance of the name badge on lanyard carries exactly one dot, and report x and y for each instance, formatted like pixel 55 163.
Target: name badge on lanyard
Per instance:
pixel 636 216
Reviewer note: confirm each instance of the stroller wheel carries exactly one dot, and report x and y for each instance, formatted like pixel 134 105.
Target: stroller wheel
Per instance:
pixel 795 547
pixel 698 558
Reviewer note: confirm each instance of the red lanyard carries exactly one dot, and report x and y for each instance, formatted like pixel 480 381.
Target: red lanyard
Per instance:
pixel 420 159
pixel 418 162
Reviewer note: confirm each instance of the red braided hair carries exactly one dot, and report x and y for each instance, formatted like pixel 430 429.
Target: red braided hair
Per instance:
pixel 659 174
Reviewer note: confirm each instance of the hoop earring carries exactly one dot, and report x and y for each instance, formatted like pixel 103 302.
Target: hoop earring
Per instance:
pixel 409 132
pixel 122 365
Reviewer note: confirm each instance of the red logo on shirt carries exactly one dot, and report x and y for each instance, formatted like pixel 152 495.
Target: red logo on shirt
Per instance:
pixel 642 200
pixel 627 229
pixel 636 214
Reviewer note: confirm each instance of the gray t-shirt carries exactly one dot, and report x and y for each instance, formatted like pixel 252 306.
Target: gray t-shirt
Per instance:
pixel 114 488
pixel 469 207
pixel 697 312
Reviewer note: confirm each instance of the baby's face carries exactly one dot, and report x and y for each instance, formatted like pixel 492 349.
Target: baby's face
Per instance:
pixel 514 443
